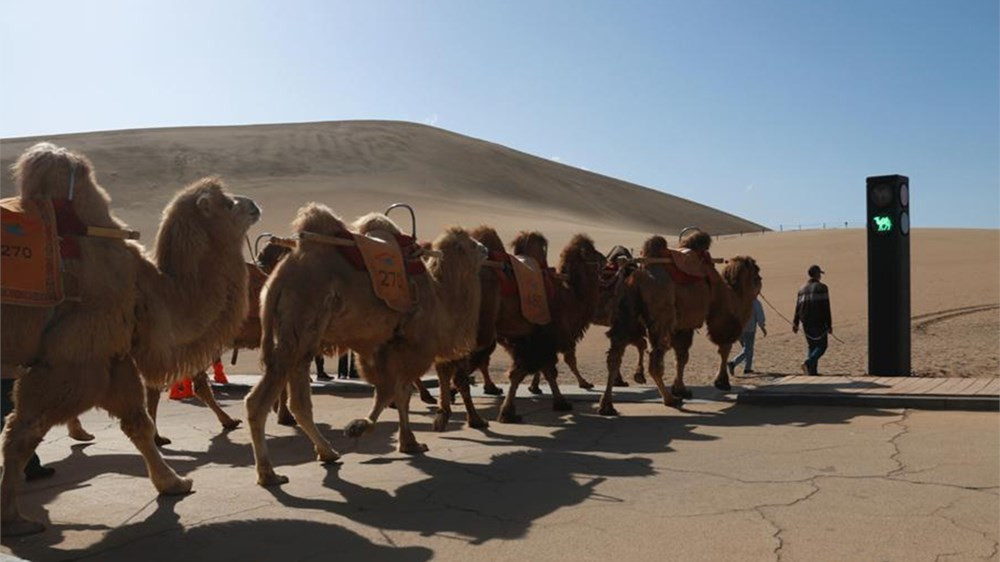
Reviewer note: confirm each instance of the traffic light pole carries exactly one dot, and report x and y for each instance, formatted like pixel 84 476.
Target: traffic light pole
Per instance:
pixel 888 275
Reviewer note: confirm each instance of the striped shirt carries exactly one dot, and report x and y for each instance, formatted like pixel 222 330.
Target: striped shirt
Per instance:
pixel 812 308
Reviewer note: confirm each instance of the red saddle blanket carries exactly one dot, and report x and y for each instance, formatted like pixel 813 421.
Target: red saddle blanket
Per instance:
pixel 30 272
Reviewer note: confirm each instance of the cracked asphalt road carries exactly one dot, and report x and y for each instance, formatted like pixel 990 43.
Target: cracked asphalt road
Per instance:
pixel 715 481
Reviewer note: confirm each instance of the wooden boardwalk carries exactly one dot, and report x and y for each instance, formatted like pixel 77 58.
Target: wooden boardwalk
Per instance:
pixel 915 392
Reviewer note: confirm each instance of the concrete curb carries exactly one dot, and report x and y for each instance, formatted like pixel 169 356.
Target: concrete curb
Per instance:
pixel 919 402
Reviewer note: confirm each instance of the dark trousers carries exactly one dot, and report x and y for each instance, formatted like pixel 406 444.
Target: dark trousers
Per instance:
pixel 817 347
pixel 6 407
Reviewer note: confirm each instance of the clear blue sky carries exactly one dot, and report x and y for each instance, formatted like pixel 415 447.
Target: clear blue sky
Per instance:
pixel 772 110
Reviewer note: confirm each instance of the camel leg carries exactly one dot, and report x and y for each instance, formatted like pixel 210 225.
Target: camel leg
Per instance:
pixel 615 352
pixel 204 393
pixel 406 441
pixel 656 368
pixel 123 400
pixel 152 406
pixel 508 411
pixel 722 379
pixel 475 421
pixel 77 432
pixel 534 388
pixel 24 429
pixel 682 347
pixel 489 387
pixel 640 370
pixel 425 395
pixel 258 404
pixel 285 416
pixel 446 373
pixel 384 394
pixel 559 402
pixel 300 403
pixel 570 358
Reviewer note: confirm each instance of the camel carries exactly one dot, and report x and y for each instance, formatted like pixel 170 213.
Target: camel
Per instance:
pixel 643 306
pixel 316 295
pixel 618 268
pixel 533 348
pixel 267 259
pixel 159 316
pixel 723 303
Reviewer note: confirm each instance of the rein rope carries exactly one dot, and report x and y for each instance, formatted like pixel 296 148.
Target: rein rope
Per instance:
pixel 783 317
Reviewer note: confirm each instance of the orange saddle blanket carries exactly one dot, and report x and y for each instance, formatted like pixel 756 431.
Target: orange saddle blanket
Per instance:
pixel 531 288
pixel 386 268
pixel 29 260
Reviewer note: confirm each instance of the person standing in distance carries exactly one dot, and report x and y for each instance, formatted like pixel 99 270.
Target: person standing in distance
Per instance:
pixel 812 308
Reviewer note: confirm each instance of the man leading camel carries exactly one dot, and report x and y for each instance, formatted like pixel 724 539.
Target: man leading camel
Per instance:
pixel 812 307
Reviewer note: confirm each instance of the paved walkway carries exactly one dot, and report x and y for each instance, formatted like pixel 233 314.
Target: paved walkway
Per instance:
pixel 716 480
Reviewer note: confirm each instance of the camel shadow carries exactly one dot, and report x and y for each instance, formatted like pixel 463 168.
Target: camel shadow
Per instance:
pixel 161 537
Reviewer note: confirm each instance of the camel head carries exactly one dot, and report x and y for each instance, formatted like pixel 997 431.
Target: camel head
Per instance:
pixel 581 251
pixel 47 171
pixel 532 244
pixel 743 274
pixel 203 217
pixel 461 255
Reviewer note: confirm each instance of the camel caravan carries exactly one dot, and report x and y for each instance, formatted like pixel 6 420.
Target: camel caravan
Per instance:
pixel 90 318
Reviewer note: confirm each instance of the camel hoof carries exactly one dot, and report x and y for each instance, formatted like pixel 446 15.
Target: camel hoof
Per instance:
pixel 271 480
pixel 231 424
pixel 492 390
pixel 620 382
pixel 723 385
pixel 639 378
pixel 426 398
pixel 413 448
pixel 478 423
pixel 161 441
pixel 328 457
pixel 607 410
pixel 681 393
pixel 178 487
pixel 505 417
pixel 586 385
pixel 562 406
pixel 20 526
pixel 357 428
pixel 287 420
pixel 534 389
pixel 441 421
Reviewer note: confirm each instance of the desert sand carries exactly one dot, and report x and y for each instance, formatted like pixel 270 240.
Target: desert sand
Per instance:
pixel 360 166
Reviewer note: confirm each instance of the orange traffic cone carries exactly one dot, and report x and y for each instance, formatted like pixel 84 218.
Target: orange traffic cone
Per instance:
pixel 220 374
pixel 182 389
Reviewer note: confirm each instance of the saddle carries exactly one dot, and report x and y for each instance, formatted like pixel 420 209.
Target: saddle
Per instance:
pixel 522 276
pixel 389 259
pixel 690 266
pixel 30 269
pixel 35 235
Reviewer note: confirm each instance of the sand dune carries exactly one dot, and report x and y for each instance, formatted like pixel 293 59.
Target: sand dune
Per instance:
pixel 360 166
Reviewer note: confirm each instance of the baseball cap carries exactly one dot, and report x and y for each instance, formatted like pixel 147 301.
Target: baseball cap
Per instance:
pixel 814 269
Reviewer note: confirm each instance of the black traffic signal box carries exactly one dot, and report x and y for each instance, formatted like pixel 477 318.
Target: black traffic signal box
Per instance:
pixel 888 275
